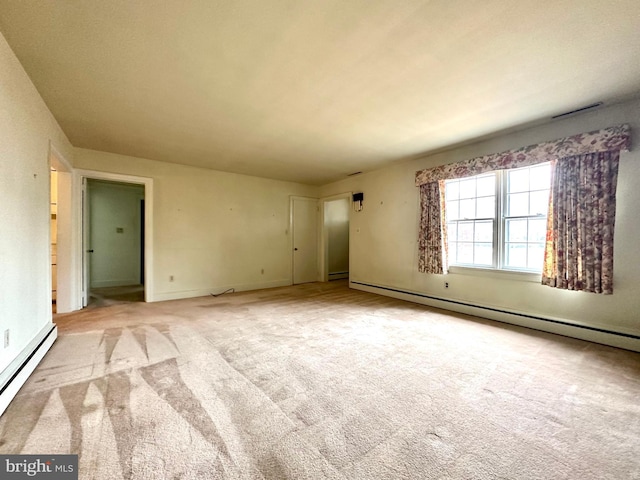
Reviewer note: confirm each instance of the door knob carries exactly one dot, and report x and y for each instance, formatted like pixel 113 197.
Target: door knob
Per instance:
pixel 90 251
pixel 296 249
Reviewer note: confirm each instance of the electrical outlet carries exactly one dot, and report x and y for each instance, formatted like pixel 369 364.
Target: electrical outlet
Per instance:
pixel 171 278
pixel 446 284
pixel 6 338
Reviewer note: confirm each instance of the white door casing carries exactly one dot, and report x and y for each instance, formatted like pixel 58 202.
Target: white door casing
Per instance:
pixel 82 270
pixel 86 244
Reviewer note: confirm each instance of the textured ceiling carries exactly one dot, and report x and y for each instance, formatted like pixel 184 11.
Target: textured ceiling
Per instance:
pixel 310 91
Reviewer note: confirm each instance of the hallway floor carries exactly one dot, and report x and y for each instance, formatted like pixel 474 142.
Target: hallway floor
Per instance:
pixel 103 297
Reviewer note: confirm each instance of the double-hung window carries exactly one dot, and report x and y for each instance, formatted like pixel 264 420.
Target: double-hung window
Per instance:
pixel 497 220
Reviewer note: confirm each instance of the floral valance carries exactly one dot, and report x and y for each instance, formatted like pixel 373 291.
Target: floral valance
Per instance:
pixel 606 140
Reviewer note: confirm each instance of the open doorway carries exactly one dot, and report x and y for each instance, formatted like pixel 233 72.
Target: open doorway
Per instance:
pixel 335 227
pixel 115 214
pixel 115 241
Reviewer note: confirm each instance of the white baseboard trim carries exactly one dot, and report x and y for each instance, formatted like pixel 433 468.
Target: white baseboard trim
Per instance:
pixel 20 370
pixel 116 283
pixel 159 297
pixel 568 328
pixel 338 276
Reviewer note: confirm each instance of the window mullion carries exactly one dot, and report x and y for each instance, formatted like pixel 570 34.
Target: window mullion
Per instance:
pixel 501 203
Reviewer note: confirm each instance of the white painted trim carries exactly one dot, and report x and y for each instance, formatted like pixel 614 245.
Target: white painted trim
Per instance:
pixel 66 288
pixel 39 348
pixel 79 174
pixel 130 282
pixel 291 197
pixel 567 328
pixel 219 289
pixel 338 276
pixel 323 248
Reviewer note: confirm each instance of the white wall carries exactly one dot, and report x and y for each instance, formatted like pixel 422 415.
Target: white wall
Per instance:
pixel 212 230
pixel 26 130
pixel 116 257
pixel 336 222
pixel 384 235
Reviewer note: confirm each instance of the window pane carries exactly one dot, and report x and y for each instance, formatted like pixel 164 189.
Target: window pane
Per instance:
pixel 486 207
pixel 519 180
pixel 468 188
pixel 516 230
pixel 465 253
pixel 484 232
pixel 540 177
pixel 452 229
pixel 451 210
pixel 536 255
pixel 539 203
pixel 468 208
pixel 465 232
pixel 537 230
pixel 453 249
pixel 451 189
pixel 518 205
pixel 483 254
pixel 517 255
pixel 486 185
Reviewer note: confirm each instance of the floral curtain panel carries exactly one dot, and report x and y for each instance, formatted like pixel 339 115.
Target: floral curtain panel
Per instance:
pixel 432 244
pixel 579 248
pixel 582 212
pixel 606 140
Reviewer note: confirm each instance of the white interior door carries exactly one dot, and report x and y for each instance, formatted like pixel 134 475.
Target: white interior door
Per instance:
pixel 305 239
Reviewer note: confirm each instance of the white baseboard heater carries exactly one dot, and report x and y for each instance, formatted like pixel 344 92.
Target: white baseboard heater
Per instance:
pixel 25 364
pixel 568 328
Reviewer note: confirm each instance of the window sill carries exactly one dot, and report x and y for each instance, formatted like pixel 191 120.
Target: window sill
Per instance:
pixel 494 273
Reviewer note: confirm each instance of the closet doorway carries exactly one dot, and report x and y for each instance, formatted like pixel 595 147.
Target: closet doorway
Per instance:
pixel 336 212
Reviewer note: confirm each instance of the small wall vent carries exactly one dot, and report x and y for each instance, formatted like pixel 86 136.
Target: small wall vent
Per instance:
pixel 578 110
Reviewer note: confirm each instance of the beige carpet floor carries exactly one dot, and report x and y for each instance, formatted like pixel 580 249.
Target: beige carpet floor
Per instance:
pixel 318 381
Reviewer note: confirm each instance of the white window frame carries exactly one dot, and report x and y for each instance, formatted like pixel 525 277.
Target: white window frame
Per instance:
pixel 499 268
pixel 494 220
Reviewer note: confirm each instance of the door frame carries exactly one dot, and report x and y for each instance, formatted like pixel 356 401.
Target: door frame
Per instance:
pixel 323 248
pixel 85 259
pixel 65 295
pixel 292 198
pixel 79 176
